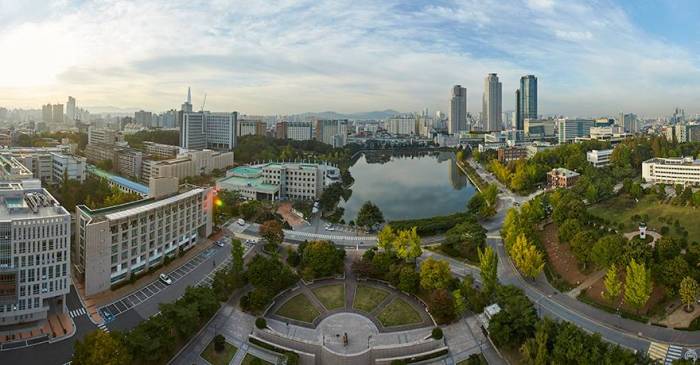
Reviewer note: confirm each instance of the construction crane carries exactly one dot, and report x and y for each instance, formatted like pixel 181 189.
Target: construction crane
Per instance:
pixel 204 102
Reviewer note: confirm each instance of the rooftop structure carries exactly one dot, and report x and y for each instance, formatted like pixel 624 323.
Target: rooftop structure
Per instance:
pixel 121 183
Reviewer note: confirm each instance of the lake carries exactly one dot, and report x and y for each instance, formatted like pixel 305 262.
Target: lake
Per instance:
pixel 405 187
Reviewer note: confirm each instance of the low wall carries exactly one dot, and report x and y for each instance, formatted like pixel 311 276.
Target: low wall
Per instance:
pixel 312 353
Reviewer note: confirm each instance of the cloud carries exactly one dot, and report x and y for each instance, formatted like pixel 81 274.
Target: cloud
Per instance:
pixel 290 56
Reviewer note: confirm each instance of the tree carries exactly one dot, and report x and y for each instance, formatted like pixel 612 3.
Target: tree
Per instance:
pixel 321 259
pixel 607 250
pixel 407 244
pixel 386 238
pixel 100 348
pixel 568 229
pixel 441 306
pixel 671 272
pixel 535 350
pixel 219 343
pixel 638 285
pixel 526 257
pixel 272 232
pixel 581 246
pixel 516 320
pixel 236 256
pixel 613 286
pixel 475 300
pixel 688 291
pixel 369 215
pixel 435 274
pixel 409 280
pixel 465 238
pixel 488 266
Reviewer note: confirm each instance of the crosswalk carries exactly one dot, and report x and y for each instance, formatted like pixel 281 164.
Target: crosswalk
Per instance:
pixel 674 353
pixel 103 327
pixel 77 312
pixel 657 351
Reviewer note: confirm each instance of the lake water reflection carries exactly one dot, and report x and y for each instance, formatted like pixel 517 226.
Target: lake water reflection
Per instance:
pixel 403 187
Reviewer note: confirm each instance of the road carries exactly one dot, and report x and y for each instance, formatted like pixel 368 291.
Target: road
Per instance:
pixel 61 352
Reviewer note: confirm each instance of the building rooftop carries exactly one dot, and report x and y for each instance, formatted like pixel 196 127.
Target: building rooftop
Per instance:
pixel 564 172
pixel 251 182
pixel 689 161
pixel 140 188
pixel 27 200
pixel 138 206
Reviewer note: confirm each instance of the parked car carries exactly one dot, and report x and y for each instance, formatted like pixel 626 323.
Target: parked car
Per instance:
pixel 165 279
pixel 330 228
pixel 240 222
pixel 219 243
pixel 251 242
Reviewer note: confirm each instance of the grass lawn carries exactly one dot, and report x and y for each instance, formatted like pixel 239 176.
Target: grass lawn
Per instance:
pixel 620 209
pixel 367 298
pixel 331 296
pixel 299 308
pixel 398 313
pixel 219 358
pixel 250 359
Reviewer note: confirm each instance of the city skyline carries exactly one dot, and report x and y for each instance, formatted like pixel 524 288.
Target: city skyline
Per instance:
pixel 294 57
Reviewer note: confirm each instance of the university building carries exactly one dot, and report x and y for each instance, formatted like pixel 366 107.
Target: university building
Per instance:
pixel 116 242
pixel 679 170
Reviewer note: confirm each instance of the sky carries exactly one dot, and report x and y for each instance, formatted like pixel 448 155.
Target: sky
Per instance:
pixel 291 56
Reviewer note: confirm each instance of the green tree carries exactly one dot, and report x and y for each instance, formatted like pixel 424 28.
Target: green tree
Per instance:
pixel 369 215
pixel 272 232
pixel 321 259
pixel 465 239
pixel 638 285
pixel 441 305
pixel 581 246
pixel 688 291
pixel 236 256
pixel 100 348
pixel 407 244
pixel 568 229
pixel 488 265
pixel 435 274
pixel 526 257
pixel 409 280
pixel 386 238
pixel 607 250
pixel 613 286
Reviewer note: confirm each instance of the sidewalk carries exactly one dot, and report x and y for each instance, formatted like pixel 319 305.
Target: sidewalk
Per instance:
pixel 92 303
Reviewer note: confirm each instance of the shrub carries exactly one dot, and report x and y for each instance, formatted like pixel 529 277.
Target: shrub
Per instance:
pixel 437 333
pixel 260 323
pixel 219 342
pixel 293 259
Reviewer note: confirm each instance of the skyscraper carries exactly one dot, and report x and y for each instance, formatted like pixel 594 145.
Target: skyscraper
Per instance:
pixel 492 104
pixel 528 98
pixel 519 121
pixel 70 109
pixel 187 105
pixel 458 110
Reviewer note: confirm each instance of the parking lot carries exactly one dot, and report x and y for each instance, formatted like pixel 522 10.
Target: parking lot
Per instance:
pixel 114 309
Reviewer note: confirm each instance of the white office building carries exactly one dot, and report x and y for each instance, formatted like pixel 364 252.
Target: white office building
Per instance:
pixel 299 131
pixel 599 158
pixel 200 130
pixel 274 181
pixel 116 242
pixel 332 132
pixel 34 254
pixel 679 170
pixel 404 125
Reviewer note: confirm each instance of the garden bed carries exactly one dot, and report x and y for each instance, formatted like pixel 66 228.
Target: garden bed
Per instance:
pixel 367 298
pixel 399 313
pixel 219 358
pixel 331 296
pixel 299 308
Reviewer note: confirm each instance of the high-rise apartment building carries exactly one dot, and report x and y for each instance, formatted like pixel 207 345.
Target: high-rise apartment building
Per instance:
pixel 251 127
pixel 207 130
pixel 299 131
pixel 144 118
pixel 34 254
pixel 404 125
pixel 458 110
pixel 492 105
pixel 70 109
pixel 46 113
pixel 333 132
pixel 519 123
pixel 527 103
pixel 52 113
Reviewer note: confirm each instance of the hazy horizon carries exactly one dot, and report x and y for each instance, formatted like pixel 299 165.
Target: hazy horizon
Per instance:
pixel 255 57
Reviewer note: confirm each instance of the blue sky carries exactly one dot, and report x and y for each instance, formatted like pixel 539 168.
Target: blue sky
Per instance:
pixel 276 57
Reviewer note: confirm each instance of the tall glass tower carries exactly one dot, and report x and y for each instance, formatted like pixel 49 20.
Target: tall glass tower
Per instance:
pixel 528 99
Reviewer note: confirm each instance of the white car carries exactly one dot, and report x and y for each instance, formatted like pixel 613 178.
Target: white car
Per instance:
pixel 330 228
pixel 251 242
pixel 219 243
pixel 165 279
pixel 240 222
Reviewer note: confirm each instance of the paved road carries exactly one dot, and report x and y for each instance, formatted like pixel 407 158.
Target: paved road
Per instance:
pixel 61 352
